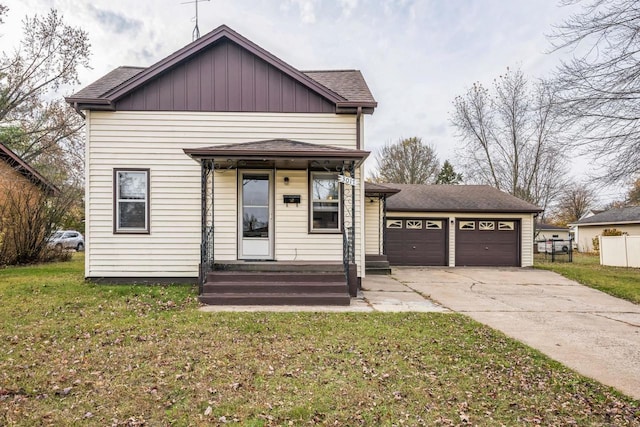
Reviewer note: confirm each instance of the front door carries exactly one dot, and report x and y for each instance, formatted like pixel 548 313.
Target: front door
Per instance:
pixel 255 219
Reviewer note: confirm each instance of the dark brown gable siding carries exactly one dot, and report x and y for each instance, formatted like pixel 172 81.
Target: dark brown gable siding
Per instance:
pixel 225 77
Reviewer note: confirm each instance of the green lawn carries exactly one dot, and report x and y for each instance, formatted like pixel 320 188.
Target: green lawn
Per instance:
pixel 75 353
pixel 586 269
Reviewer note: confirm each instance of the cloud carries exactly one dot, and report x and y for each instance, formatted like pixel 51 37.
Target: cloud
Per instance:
pixel 114 21
pixel 348 6
pixel 307 10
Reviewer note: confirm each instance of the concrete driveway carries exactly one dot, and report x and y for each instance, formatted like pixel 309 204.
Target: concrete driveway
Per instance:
pixel 587 330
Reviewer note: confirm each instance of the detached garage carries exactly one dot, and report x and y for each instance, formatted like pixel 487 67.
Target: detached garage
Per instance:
pixel 458 225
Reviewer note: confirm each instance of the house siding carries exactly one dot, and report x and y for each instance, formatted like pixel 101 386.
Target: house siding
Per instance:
pixel 225 77
pixel 373 225
pixel 526 229
pixel 586 233
pixel 155 140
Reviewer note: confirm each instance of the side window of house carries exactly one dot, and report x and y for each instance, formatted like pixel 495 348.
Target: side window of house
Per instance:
pixel 325 204
pixel 131 201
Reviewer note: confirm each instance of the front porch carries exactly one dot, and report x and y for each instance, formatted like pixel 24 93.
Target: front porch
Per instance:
pixel 277 283
pixel 280 220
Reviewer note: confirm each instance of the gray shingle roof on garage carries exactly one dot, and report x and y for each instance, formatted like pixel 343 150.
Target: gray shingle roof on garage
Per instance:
pixel 455 198
pixel 613 216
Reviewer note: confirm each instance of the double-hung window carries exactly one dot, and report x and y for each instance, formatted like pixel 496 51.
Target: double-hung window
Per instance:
pixel 325 202
pixel 131 201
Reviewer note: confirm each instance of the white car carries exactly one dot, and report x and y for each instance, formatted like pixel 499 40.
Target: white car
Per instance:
pixel 555 246
pixel 66 239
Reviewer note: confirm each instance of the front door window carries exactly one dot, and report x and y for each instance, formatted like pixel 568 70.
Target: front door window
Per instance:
pixel 255 206
pixel 255 215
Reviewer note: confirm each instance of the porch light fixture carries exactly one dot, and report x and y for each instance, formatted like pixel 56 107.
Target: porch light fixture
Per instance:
pixel 286 180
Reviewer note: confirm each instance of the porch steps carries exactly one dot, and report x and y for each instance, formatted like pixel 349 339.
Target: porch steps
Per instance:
pixel 377 264
pixel 275 283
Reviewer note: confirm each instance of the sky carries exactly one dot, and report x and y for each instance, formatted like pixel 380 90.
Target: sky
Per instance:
pixel 416 55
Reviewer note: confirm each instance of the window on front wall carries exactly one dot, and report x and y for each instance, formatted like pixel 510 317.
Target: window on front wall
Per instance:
pixel 325 202
pixel 131 201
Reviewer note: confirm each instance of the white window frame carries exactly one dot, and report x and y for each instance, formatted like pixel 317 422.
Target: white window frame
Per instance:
pixel 117 200
pixel 313 200
pixel 486 225
pixel 394 223
pixel 506 225
pixel 467 225
pixel 433 224
pixel 414 224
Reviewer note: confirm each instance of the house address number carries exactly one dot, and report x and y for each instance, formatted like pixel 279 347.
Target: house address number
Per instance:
pixel 348 180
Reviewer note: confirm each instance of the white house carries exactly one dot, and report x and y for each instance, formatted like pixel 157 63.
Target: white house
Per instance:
pixel 626 220
pixel 221 154
pixel 223 165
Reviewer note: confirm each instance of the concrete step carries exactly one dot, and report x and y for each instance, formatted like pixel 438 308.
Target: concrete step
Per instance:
pixel 378 270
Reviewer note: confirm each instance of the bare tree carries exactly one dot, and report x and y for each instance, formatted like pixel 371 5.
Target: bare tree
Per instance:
pixel 47 60
pixel 575 200
pixel 633 196
pixel 600 86
pixel 28 215
pixel 407 161
pixel 512 137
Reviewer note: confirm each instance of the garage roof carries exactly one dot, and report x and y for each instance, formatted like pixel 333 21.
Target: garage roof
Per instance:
pixel 455 198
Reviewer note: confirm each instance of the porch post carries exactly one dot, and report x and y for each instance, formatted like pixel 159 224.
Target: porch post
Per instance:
pixel 349 233
pixel 206 206
pixel 384 224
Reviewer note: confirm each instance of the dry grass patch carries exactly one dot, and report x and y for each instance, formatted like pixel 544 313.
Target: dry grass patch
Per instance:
pixel 76 353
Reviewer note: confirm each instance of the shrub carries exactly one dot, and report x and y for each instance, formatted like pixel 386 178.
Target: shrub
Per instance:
pixel 605 232
pixel 27 218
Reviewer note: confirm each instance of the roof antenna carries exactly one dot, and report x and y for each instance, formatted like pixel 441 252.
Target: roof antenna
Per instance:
pixel 196 31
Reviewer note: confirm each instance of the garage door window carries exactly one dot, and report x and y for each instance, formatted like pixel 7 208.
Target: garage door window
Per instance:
pixel 467 225
pixel 434 225
pixel 506 226
pixel 414 224
pixel 394 223
pixel 486 225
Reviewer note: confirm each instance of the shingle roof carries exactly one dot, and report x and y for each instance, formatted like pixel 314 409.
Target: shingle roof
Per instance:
pixel 277 148
pixel 543 226
pixel 349 84
pixel 107 82
pixel 455 198
pixel 629 214
pixel 373 189
pixel 345 87
pixel 26 170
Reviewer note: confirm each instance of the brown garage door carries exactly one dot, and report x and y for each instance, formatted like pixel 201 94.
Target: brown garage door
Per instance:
pixel 487 242
pixel 416 241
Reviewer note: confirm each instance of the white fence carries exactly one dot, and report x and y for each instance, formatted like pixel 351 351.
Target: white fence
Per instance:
pixel 620 251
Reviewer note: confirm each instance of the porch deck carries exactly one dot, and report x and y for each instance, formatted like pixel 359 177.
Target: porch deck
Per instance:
pixel 276 283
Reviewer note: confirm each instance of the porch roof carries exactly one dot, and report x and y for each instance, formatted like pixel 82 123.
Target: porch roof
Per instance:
pixel 372 189
pixel 283 153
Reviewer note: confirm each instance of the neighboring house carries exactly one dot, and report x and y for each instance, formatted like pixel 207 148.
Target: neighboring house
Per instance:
pixel 457 225
pixel 546 232
pixel 16 174
pixel 626 220
pixel 223 157
pixel 550 231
